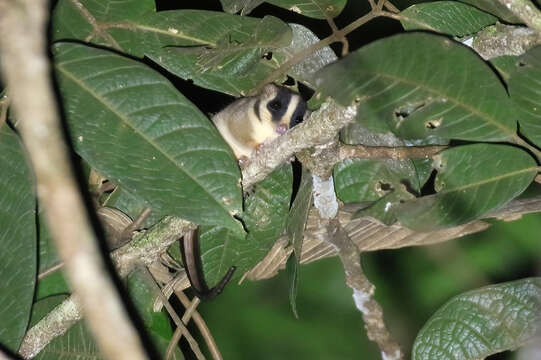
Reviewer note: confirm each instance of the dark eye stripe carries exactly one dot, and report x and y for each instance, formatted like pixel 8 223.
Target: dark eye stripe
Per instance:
pixel 256 109
pixel 298 114
pixel 284 97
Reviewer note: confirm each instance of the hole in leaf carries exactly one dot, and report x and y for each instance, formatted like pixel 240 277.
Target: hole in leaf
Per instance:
pixel 433 124
pixel 521 64
pixel 267 55
pixel 404 111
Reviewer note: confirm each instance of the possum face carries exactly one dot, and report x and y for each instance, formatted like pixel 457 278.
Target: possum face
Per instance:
pixel 279 108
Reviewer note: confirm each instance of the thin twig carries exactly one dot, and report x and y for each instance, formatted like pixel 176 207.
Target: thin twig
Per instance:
pixel 177 335
pixel 202 326
pixel 97 30
pixel 390 6
pixel 304 53
pixel 50 270
pixel 26 68
pixel 339 35
pixel 181 328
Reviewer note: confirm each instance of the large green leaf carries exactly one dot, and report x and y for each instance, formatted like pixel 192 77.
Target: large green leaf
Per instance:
pixel 419 86
pixel 471 181
pixel 296 223
pixel 18 240
pixel 318 9
pixel 525 90
pixel 206 47
pixel 482 322
pixel 496 8
pixel 229 53
pixel 78 19
pixel 446 17
pixel 265 218
pixel 360 180
pixel 132 125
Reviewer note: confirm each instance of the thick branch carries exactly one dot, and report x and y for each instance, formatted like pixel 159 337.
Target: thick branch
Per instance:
pixel 363 292
pixel 25 67
pixel 501 40
pixel 320 128
pixel 145 249
pixel 526 11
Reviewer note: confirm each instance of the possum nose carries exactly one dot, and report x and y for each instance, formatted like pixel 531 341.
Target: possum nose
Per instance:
pixel 281 129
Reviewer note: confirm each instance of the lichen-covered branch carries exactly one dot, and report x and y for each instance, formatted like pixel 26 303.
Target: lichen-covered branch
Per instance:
pixel 363 292
pixel 145 249
pixel 502 40
pixel 526 11
pixel 322 126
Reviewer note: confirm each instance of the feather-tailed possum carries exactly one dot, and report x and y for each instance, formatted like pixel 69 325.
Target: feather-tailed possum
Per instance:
pixel 251 121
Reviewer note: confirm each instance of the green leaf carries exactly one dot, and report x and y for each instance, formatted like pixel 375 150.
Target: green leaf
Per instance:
pixel 143 291
pixel 222 45
pixel 505 65
pixel 265 217
pixel 446 17
pixel 317 9
pixel 76 20
pixel 130 124
pixel 131 205
pixel 18 240
pixel 471 181
pixel 385 209
pixel 235 54
pixel 495 8
pixel 296 222
pixel 482 322
pixel 360 180
pixel 48 255
pixel 439 89
pixel 52 284
pixel 525 90
pixel 76 343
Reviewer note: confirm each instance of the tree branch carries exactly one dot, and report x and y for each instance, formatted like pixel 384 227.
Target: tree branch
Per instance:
pixel 526 11
pixel 27 71
pixel 502 40
pixel 145 249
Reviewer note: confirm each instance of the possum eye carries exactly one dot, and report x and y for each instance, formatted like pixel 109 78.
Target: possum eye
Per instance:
pixel 275 105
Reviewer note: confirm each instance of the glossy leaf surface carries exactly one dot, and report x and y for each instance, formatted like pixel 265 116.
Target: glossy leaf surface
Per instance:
pixel 525 90
pixel 318 9
pixel 360 180
pixel 132 125
pixel 421 86
pixel 482 322
pixel 296 223
pixel 495 8
pixel 446 17
pixel 265 217
pixel 18 240
pixel 471 181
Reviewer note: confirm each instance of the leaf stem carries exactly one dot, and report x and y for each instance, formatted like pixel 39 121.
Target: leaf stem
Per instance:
pixel 336 36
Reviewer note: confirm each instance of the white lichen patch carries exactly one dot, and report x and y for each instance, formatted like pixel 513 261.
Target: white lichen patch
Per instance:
pixel 325 197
